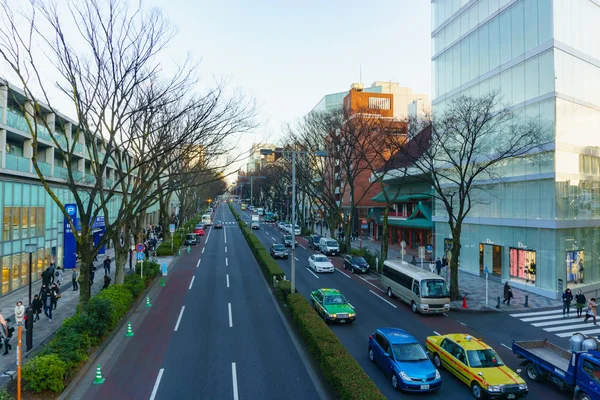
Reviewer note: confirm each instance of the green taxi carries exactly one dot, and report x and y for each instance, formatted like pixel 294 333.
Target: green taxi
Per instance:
pixel 332 306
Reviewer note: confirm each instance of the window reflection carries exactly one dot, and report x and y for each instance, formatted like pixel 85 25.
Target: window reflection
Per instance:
pixel 6 265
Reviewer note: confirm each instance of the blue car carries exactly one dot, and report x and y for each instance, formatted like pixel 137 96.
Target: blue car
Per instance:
pixel 404 360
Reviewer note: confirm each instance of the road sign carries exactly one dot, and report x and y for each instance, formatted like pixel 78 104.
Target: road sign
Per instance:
pixel 486 270
pixel 172 228
pixel 164 269
pixel 364 221
pixel 364 226
pixel 403 252
pixel 429 248
pixel 140 247
pixel 140 256
pixel 403 244
pixel 421 251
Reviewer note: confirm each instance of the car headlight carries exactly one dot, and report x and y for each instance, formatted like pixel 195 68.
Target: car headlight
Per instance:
pixel 425 306
pixel 352 315
pixel 331 315
pixel 522 386
pixel 404 376
pixel 495 389
pixel 437 374
pixel 446 305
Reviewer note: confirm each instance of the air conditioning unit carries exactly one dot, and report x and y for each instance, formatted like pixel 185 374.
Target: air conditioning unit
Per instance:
pixel 357 86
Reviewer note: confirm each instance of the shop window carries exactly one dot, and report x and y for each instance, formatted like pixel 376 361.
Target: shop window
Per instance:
pixel 25 269
pixel 6 236
pixel 490 256
pixel 523 264
pixel 16 215
pixel 575 266
pixel 40 263
pixel 14 272
pixel 32 222
pixel 41 221
pixel 6 274
pixel 24 222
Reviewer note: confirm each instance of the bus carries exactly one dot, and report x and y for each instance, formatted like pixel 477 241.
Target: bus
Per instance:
pixel 206 220
pixel 423 290
pixel 269 217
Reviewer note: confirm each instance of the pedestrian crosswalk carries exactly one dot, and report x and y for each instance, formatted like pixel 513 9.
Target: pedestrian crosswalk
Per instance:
pixel 553 321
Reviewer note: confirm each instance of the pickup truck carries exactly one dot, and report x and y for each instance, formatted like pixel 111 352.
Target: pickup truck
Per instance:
pixel 577 371
pixel 255 221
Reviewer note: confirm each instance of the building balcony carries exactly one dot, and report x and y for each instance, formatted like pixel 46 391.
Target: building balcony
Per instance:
pixel 17 163
pixel 79 148
pixel 16 120
pixel 60 172
pixel 45 168
pixel 78 176
pixel 399 214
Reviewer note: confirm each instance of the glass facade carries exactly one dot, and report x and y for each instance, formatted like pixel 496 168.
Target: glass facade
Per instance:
pixel 539 227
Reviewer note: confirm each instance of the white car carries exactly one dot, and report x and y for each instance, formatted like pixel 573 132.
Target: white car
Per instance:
pixel 287 228
pixel 297 230
pixel 320 263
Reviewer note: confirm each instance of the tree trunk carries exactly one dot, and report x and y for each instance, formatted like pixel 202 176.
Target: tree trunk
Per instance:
pixel 384 235
pixel 87 258
pixel 348 231
pixel 121 255
pixel 455 251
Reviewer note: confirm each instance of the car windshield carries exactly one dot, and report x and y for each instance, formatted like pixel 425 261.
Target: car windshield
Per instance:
pixel 358 260
pixel 332 243
pixel 335 299
pixel 485 358
pixel 288 237
pixel 218 222
pixel 296 227
pixel 409 352
pixel 190 237
pixel 434 289
pixel 278 247
pixel 198 226
pixel 321 259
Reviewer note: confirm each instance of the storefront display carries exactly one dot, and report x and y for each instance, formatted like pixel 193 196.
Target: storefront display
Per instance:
pixel 490 256
pixel 575 268
pixel 523 264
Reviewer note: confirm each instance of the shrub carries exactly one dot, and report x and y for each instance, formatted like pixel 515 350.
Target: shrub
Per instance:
pixel 165 249
pixel 305 231
pixel 4 395
pixel 70 346
pixel 151 270
pixel 341 370
pixel 120 300
pixel 45 372
pixel 98 317
pixel 134 283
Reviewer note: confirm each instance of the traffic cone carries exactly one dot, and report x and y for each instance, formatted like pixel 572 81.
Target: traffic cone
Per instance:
pixel 129 331
pixel 189 249
pixel 148 301
pixel 464 302
pixel 99 379
pixel 162 281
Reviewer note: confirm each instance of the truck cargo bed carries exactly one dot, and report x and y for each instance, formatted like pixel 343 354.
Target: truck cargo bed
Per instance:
pixel 547 352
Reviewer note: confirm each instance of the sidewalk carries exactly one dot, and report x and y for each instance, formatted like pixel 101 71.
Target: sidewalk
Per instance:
pixel 43 329
pixel 473 285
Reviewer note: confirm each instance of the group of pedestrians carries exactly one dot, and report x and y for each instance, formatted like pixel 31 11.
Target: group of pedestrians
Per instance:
pixel 580 303
pixel 75 275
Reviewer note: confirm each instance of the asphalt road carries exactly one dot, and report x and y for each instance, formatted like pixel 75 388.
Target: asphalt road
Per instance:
pixel 213 333
pixel 375 310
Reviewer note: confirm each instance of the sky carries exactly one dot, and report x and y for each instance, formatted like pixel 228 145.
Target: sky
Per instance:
pixel 288 55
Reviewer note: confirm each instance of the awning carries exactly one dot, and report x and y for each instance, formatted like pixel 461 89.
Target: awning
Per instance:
pixel 401 198
pixel 375 214
pixel 419 223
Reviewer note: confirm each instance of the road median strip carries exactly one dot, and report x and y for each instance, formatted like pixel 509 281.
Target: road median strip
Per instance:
pixel 343 373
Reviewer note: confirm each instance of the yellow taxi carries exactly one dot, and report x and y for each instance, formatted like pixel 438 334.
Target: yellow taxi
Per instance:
pixel 477 365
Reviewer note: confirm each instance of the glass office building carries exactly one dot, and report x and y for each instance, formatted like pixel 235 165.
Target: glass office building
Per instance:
pixel 540 227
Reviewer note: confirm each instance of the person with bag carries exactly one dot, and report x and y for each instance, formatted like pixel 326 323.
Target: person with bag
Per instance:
pixel 580 303
pixel 19 312
pixel 58 275
pixel 75 279
pixel 37 305
pixel 508 294
pixel 567 298
pixel 5 334
pixel 54 295
pixel 107 265
pixel 591 310
pixel 47 302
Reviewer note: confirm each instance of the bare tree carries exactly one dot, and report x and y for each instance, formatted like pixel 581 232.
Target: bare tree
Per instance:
pixel 468 145
pixel 109 71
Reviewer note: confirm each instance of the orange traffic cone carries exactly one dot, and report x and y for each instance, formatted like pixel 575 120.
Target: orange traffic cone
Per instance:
pixel 464 302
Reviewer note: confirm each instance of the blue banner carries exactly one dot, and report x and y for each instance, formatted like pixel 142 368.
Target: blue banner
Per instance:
pixel 98 229
pixel 70 244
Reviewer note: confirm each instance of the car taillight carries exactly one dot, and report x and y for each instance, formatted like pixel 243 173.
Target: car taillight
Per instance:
pixel 370 336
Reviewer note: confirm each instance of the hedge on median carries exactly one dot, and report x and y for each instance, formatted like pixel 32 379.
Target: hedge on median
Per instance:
pixel 70 347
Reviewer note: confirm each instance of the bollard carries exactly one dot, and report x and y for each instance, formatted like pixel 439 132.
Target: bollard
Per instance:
pixel 498 304
pixel 526 301
pixel 464 305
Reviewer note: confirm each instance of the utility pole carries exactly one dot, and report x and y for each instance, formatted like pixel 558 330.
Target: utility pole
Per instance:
pixel 293 283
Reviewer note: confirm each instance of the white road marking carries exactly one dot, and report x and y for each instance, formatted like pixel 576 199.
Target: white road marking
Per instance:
pixel 191 283
pixel 225 232
pixel 502 344
pixel 437 333
pixel 179 319
pixel 462 323
pixel 375 286
pixel 343 273
pixel 225 249
pixel 197 265
pixel 226 262
pixel 542 318
pixel 230 316
pixel 296 258
pixel 227 280
pixel 155 388
pixel 393 305
pixel 234 378
pixel 302 246
pixel 531 314
pixel 569 334
pixel 315 275
pixel 203 250
pixel 208 236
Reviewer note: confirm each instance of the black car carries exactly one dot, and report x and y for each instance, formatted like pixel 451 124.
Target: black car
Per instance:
pixel 191 239
pixel 287 240
pixel 218 225
pixel 313 241
pixel 278 250
pixel 356 264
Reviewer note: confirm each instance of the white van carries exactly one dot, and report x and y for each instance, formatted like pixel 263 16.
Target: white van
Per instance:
pixel 206 220
pixel 424 291
pixel 329 246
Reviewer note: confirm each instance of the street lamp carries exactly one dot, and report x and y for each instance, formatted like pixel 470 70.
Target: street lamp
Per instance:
pixel 318 153
pixel 30 248
pixel 252 178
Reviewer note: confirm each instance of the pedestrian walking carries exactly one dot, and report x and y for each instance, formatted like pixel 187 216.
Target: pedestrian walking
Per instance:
pixel 5 334
pixel 75 279
pixel 52 269
pixel 413 261
pixel 92 273
pixel 47 302
pixel 580 299
pixel 591 310
pixel 54 295
pixel 36 305
pixel 47 277
pixel 107 265
pixel 438 266
pixel 567 298
pixel 106 282
pixel 59 275
pixel 19 312
pixel 508 294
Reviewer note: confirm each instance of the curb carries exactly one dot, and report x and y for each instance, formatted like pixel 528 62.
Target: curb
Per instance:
pixel 488 310
pixel 91 363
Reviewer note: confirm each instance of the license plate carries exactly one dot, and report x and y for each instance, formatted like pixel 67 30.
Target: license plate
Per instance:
pixel 511 396
pixel 424 387
pixel 342 321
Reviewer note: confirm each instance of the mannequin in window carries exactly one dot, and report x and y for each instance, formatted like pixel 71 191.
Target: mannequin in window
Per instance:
pixel 532 267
